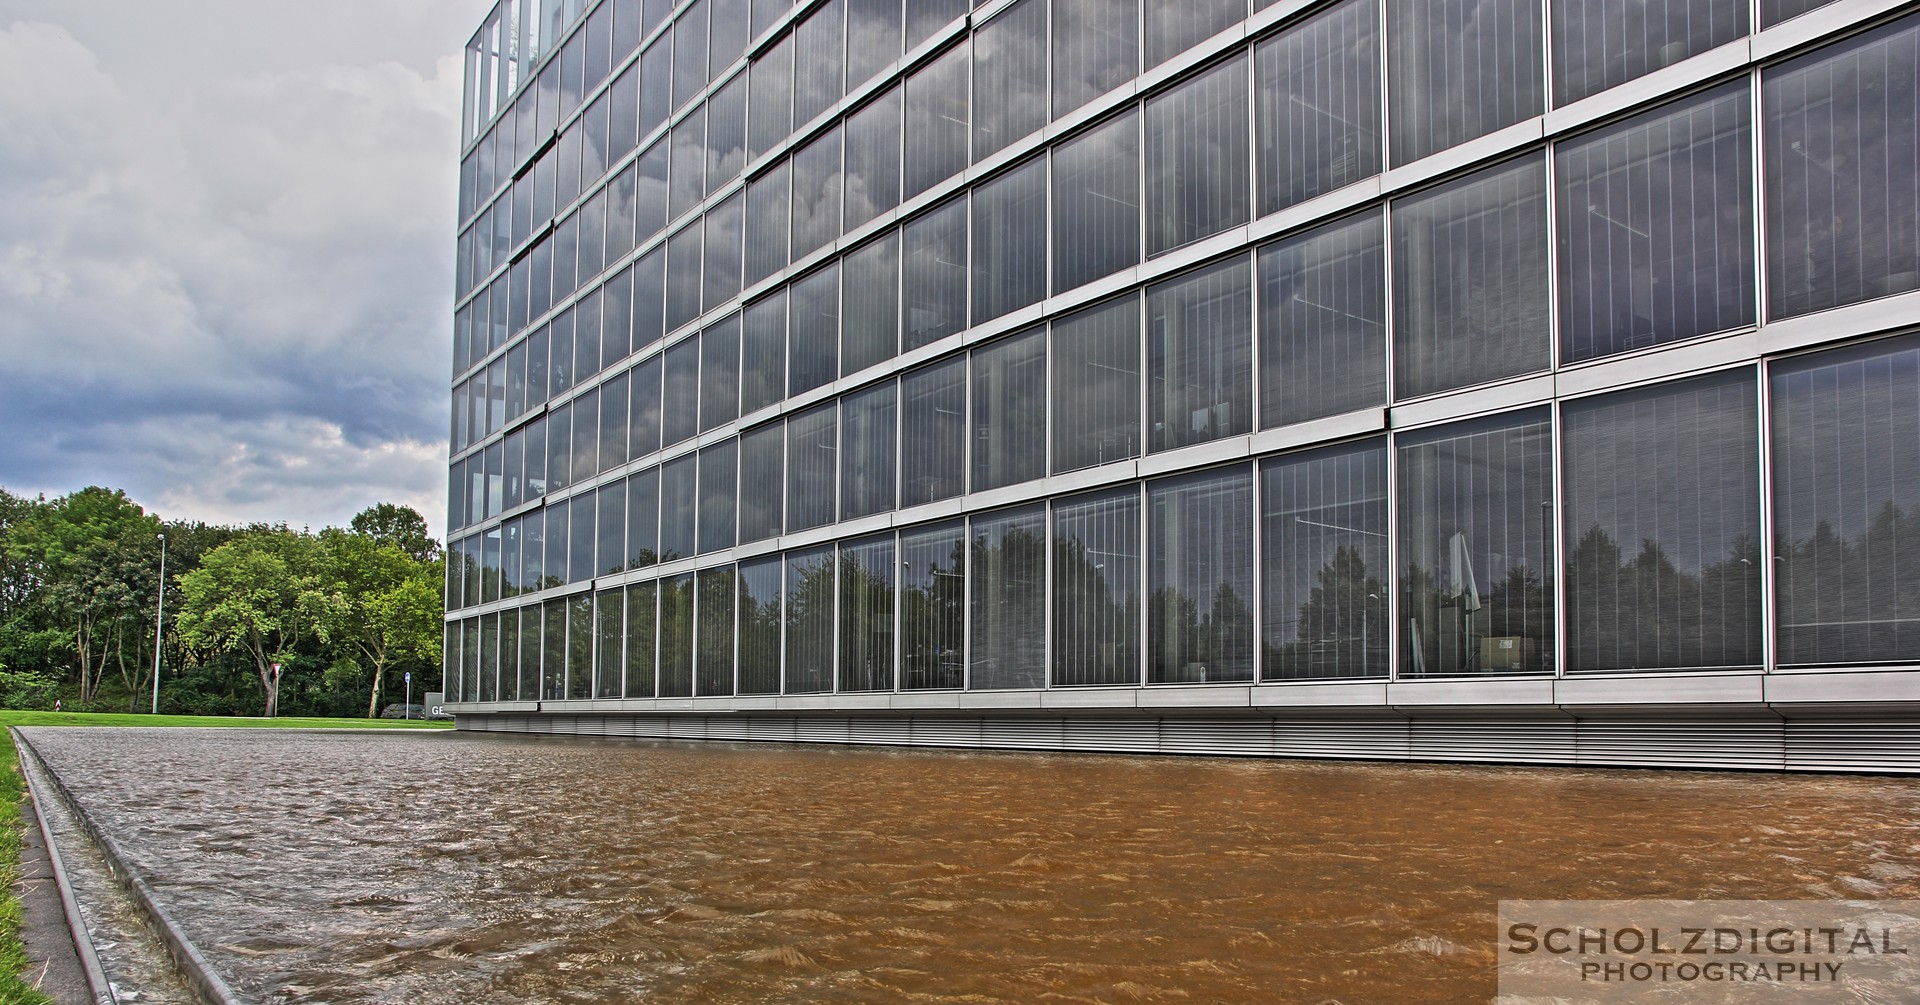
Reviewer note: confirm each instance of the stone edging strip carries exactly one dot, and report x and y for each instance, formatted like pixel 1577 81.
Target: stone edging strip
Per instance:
pixel 198 974
pixel 97 983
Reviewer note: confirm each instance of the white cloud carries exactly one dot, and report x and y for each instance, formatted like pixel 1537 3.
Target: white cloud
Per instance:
pixel 225 277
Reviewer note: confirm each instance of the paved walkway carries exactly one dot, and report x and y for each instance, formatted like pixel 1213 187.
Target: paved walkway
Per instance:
pixel 55 968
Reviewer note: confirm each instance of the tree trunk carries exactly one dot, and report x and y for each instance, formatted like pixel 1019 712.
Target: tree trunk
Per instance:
pixel 373 699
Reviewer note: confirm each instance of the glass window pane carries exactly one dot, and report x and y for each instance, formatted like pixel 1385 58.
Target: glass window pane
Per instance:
pixel 1773 12
pixel 812 447
pixel 933 611
pixel 687 183
pixel 559 449
pixel 718 484
pixel 1009 587
pixel 1323 566
pixel 1198 159
pixel 643 429
pixel 1842 162
pixel 640 641
pixel 611 533
pixel 1096 588
pixel 683 276
pixel 677 505
pixel 871 289
pixel 926 17
pixel 1318 90
pixel 1846 505
pixel 730 34
pixel 1010 411
pixel 553 662
pixel 763 353
pixel 1663 526
pixel 1096 48
pixel 1200 355
pixel 1173 28
pixel 676 636
pixel 763 453
pixel 649 298
pixel 934 274
pixel 1323 322
pixel 580 536
pixel 819 48
pixel 873 38
pixel 1470 293
pixel 1009 76
pixel 1096 385
pixel 643 519
pixel 1200 578
pixel 1476 526
pixel 768 221
pixel 613 423
pixel 609 622
pixel 1460 69
pixel 813 327
pixel 810 623
pixel 720 280
pixel 714 657
pixel 719 373
pixel 933 432
pixel 528 684
pixel 758 625
pixel 1596 47
pixel 770 98
pixel 937 121
pixel 689 53
pixel 1010 241
pixel 1096 203
pixel 680 407
pixel 816 194
pixel 1656 227
pixel 580 646
pixel 873 158
pixel 650 191
pixel 866 614
pixel 866 455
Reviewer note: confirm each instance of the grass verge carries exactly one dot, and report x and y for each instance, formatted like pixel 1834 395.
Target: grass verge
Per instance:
pixel 10 717
pixel 14 986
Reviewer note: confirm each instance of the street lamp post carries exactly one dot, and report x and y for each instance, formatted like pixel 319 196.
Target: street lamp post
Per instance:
pixel 159 614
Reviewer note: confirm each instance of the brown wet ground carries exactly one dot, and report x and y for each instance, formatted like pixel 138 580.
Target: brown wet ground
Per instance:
pixel 456 868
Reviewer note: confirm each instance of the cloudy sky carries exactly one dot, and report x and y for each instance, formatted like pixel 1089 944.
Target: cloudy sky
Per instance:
pixel 226 243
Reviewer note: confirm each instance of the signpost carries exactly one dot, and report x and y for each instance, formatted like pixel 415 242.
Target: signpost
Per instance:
pixel 407 709
pixel 273 706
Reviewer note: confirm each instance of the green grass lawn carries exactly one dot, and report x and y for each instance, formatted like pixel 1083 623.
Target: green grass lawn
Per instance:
pixel 9 717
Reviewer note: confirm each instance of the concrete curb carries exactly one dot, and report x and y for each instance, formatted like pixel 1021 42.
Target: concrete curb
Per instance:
pixel 97 983
pixel 194 968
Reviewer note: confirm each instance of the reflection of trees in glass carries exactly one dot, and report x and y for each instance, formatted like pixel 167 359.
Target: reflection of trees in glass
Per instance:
pixel 676 636
pixel 866 613
pixel 1341 628
pixel 1851 600
pixel 1647 613
pixel 714 658
pixel 1096 604
pixel 1193 646
pixel 1009 598
pixel 1449 629
pixel 759 621
pixel 640 623
pixel 580 646
pixel 933 597
pixel 810 624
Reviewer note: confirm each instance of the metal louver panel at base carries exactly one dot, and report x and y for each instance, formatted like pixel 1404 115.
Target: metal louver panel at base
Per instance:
pixel 1736 740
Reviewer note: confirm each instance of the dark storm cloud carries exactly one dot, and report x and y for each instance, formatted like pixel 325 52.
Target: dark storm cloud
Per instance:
pixel 225 252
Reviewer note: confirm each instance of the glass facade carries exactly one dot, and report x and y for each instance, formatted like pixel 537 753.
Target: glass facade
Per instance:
pixel 870 346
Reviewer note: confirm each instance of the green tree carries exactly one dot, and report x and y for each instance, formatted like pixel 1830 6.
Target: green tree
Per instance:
pixel 262 593
pixel 93 558
pixel 400 526
pixel 385 599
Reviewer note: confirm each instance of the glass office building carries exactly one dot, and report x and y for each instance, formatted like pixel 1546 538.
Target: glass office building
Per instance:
pixel 1447 379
